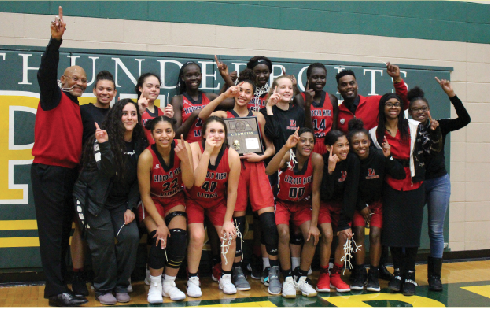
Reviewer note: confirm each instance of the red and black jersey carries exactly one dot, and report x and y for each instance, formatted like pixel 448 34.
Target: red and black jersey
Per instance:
pixel 147 116
pixel 215 185
pixel 166 178
pixel 295 185
pixel 257 103
pixel 188 106
pixel 321 115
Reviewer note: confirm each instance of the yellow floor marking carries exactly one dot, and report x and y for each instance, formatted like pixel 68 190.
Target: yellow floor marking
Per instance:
pixel 19 242
pixel 26 224
pixel 253 304
pixel 480 290
pixel 357 301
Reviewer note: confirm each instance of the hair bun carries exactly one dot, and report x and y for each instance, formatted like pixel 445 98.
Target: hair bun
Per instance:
pixel 356 124
pixel 416 92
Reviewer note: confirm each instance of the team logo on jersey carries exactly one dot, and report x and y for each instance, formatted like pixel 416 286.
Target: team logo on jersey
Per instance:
pixel 342 121
pixel 371 174
pixel 157 166
pixel 292 125
pixel 343 177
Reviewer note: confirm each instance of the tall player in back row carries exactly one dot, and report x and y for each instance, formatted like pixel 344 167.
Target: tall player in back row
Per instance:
pixel 191 100
pixel 253 182
pixel 322 106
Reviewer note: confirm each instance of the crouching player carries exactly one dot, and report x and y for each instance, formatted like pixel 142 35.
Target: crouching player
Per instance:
pixel 162 168
pixel 299 194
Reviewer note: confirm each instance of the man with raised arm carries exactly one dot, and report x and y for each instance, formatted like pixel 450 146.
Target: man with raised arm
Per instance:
pixel 57 150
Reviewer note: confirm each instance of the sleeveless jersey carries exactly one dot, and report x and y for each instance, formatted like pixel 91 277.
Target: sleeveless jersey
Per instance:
pixel 147 116
pixel 215 185
pixel 321 115
pixel 166 178
pixel 195 132
pixel 296 185
pixel 257 103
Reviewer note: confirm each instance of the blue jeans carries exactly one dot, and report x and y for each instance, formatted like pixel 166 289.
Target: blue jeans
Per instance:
pixel 437 193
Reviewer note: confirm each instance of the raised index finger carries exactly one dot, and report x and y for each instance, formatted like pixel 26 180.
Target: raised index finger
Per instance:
pixel 428 114
pixel 97 126
pixel 307 85
pixel 182 139
pixel 331 150
pixel 216 59
pixel 60 12
pixel 275 89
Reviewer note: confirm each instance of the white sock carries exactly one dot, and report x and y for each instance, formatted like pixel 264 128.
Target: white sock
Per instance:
pixel 169 278
pixel 265 260
pixel 295 262
pixel 157 279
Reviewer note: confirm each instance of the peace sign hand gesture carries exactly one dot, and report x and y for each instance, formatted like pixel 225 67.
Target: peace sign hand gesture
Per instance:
pixel 292 140
pixel 446 87
pixel 333 159
pixel 100 135
pixel 222 67
pixel 275 98
pixel 58 26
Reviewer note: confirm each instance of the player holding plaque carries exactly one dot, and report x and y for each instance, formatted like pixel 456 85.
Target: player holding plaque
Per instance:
pixel 253 182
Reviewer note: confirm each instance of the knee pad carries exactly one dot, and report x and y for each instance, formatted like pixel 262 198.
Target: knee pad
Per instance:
pixel 176 247
pixel 170 216
pixel 296 239
pixel 269 233
pixel 156 257
pixel 240 222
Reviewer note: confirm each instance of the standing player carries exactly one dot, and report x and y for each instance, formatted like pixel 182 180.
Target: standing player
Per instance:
pixel 162 170
pixel 189 103
pixel 253 184
pixel 148 90
pixel 437 184
pixel 299 195
pixel 261 67
pixel 216 176
pixel 57 150
pixel 375 165
pixel 339 194
pixel 322 106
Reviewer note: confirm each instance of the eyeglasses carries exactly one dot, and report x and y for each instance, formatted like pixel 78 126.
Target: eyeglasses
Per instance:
pixel 76 79
pixel 393 105
pixel 424 109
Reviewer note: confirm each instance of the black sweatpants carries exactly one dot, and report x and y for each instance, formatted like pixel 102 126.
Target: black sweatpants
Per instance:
pixel 112 264
pixel 52 187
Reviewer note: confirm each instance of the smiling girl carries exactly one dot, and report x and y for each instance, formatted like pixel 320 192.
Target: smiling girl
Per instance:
pixel 216 175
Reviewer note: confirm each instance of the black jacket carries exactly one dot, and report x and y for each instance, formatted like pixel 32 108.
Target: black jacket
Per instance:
pixel 94 185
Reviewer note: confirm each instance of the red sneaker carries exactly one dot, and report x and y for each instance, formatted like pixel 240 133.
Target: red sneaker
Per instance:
pixel 216 272
pixel 323 284
pixel 338 284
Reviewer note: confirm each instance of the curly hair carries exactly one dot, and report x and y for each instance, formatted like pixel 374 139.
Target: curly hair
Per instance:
pixel 115 130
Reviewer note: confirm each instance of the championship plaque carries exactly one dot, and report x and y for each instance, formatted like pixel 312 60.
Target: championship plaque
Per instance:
pixel 244 135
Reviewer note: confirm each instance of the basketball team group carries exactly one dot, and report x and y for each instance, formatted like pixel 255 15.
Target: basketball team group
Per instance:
pixel 314 170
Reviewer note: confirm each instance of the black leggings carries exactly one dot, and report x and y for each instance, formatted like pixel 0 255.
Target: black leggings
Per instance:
pixel 404 258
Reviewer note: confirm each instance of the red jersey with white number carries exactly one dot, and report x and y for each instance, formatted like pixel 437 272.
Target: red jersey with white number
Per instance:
pixel 147 116
pixel 166 178
pixel 321 115
pixel 188 106
pixel 295 185
pixel 257 103
pixel 215 185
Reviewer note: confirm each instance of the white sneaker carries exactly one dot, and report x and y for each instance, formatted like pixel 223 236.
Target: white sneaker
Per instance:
pixel 155 292
pixel 289 288
pixel 130 287
pixel 226 285
pixel 171 290
pixel 147 278
pixel 305 287
pixel 193 289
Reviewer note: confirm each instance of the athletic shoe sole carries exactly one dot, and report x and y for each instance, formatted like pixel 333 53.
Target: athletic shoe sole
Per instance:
pixel 288 296
pixel 372 289
pixel 357 287
pixel 340 290
pixel 309 295
pixel 325 290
